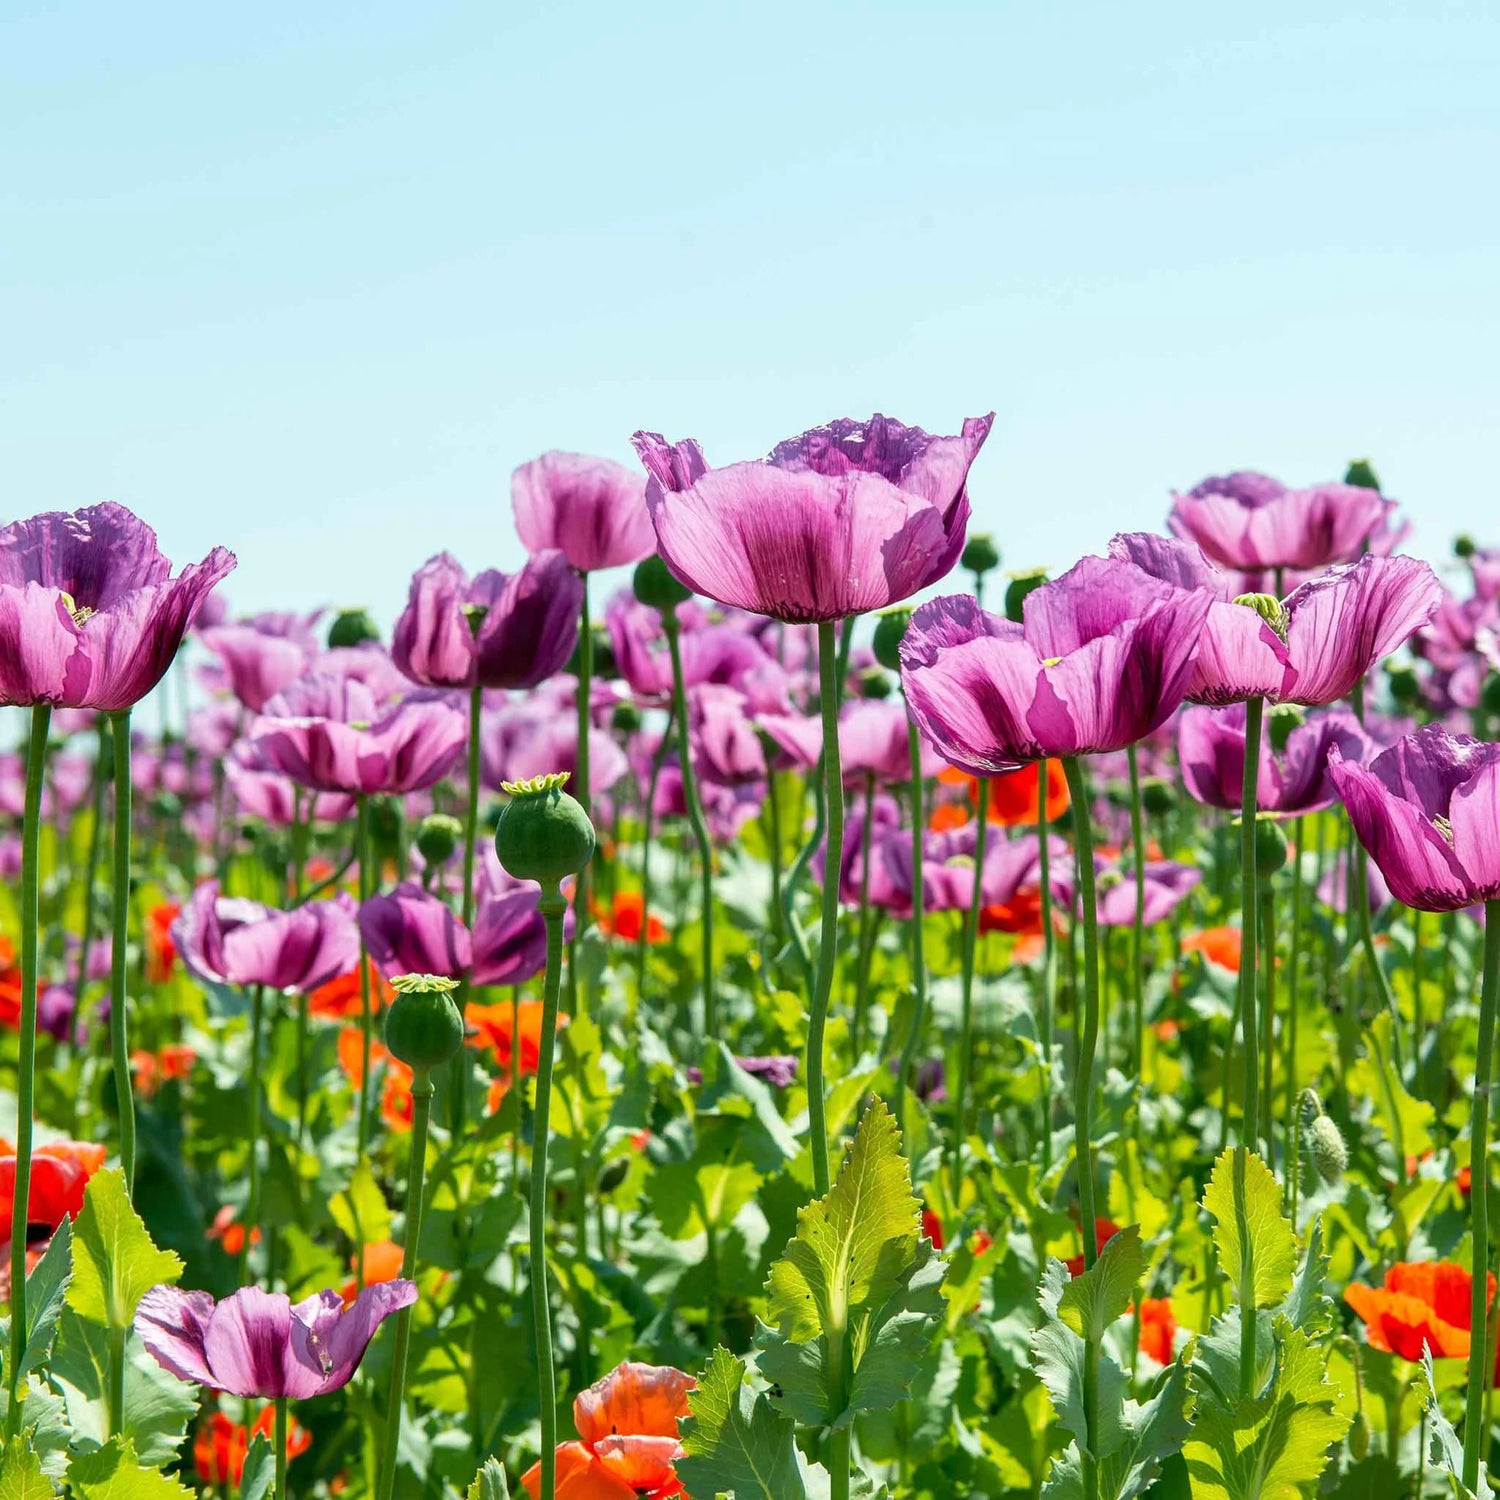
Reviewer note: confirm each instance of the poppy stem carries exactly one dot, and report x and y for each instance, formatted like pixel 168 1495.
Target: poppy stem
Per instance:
pixel 695 818
pixel 866 947
pixel 1138 921
pixel 252 1197
pixel 366 1013
pixel 1049 962
pixel 1293 996
pixel 1475 1432
pixel 966 1026
pixel 281 1446
pixel 119 1040
pixel 552 907
pixel 581 779
pixel 918 926
pixel 36 756
pixel 91 876
pixel 648 822
pixel 833 801
pixel 416 1166
pixel 1086 1020
pixel 1250 1032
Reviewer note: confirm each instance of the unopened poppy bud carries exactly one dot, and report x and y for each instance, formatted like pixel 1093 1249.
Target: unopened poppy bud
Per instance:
pixel 657 586
pixel 1359 1436
pixel 1312 1105
pixel 1281 721
pixel 613 1175
pixel 437 837
pixel 980 554
pixel 1489 695
pixel 626 718
pixel 423 1027
pixel 890 631
pixel 1405 688
pixel 386 819
pixel 1269 608
pixel 1158 796
pixel 1326 1147
pixel 1270 847
pixel 352 627
pixel 1020 585
pixel 1362 473
pixel 1464 545
pixel 543 833
pixel 873 683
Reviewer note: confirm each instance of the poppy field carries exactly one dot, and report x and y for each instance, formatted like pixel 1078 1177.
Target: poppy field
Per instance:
pixel 766 1000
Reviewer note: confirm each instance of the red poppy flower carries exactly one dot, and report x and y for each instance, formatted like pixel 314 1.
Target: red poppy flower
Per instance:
pixel 161 951
pixel 1219 945
pixel 623 920
pixel 339 999
pixel 395 1094
pixel 221 1445
pixel 229 1233
pixel 1423 1304
pixel 382 1262
pixel 932 1227
pixel 1158 1326
pixel 1104 1231
pixel 60 1171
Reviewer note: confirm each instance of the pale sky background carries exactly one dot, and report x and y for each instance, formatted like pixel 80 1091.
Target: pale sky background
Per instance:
pixel 311 280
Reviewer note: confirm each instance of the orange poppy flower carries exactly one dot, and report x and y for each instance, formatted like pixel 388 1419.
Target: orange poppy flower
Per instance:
pixel 1158 1326
pixel 339 999
pixel 229 1233
pixel 382 1262
pixel 1104 1231
pixel 494 1027
pixel 60 1171
pixel 1167 1030
pixel 161 951
pixel 623 920
pixel 395 1093
pixel 1465 1180
pixel 947 816
pixel 627 1429
pixel 1219 945
pixel 152 1069
pixel 1423 1304
pixel 221 1445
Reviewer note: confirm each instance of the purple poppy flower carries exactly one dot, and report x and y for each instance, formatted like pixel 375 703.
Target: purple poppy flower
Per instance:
pixel 230 940
pixel 779 1071
pixel 845 518
pixel 272 797
pixel 90 615
pixel 1249 521
pixel 412 932
pixel 590 509
pixel 327 734
pixel 536 735
pixel 257 664
pixel 527 626
pixel 261 1345
pixel 1211 752
pixel 1428 811
pixel 711 652
pixel 1104 655
pixel 725 744
pixel 1168 885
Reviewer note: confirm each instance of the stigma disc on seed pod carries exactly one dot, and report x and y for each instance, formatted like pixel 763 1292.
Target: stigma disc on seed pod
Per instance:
pixel 543 833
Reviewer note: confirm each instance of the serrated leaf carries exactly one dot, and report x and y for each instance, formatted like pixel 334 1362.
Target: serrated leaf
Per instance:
pixel 1249 1230
pixel 21 1476
pixel 361 1211
pixel 113 1473
pixel 1307 1306
pixel 489 1482
pixel 1445 1447
pixel 735 1442
pixel 115 1262
pixel 258 1478
pixel 851 1247
pixel 1406 1123
pixel 1092 1301
pixel 46 1287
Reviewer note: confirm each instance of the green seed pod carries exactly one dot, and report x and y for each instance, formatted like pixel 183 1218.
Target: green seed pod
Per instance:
pixel 423 1027
pixel 1326 1147
pixel 626 718
pixel 1281 721
pixel 890 631
pixel 1406 689
pixel 1270 847
pixel 1020 585
pixel 543 834
pixel 352 627
pixel 1269 608
pixel 873 683
pixel 1464 546
pixel 980 554
pixel 1489 695
pixel 1361 473
pixel 657 586
pixel 438 836
pixel 1158 796
pixel 386 822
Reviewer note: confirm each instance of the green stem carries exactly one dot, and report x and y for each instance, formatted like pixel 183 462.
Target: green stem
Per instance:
pixel 1049 962
pixel 471 812
pixel 1090 1410
pixel 36 756
pixel 648 821
pixel 366 1008
pixel 833 798
pixel 1479 1187
pixel 416 1166
pixel 1138 921
pixel 1249 1011
pixel 252 1198
pixel 1293 998
pixel 581 791
pixel 1086 1021
pixel 91 876
pixel 116 1399
pixel 966 1023
pixel 552 907
pixel 918 928
pixel 118 1034
pixel 281 1454
pixel 1267 941
pixel 699 825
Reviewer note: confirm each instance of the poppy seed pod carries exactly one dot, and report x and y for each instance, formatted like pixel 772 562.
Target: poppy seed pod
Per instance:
pixel 626 718
pixel 1269 608
pixel 437 837
pixel 351 627
pixel 1270 847
pixel 980 554
pixel 656 585
pixel 1280 722
pixel 543 833
pixel 1020 585
pixel 1326 1147
pixel 423 1027
pixel 890 631
pixel 1158 796
pixel 1464 545
pixel 1489 694
pixel 873 683
pixel 1361 474
pixel 1405 688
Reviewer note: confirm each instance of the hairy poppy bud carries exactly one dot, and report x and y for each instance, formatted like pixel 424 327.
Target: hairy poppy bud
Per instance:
pixel 1359 1436
pixel 890 631
pixel 1362 474
pixel 437 837
pixel 352 627
pixel 1326 1147
pixel 980 554
pixel 423 1027
pixel 1281 721
pixel 656 585
pixel 1020 585
pixel 543 834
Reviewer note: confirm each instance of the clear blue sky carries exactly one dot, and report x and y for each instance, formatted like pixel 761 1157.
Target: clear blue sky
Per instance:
pixel 310 280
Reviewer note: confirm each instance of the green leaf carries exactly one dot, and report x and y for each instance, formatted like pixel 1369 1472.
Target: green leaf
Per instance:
pixel 113 1473
pixel 361 1211
pixel 489 1482
pixel 21 1476
pixel 258 1479
pixel 1445 1447
pixel 1406 1123
pixel 1249 1230
pixel 45 1289
pixel 736 1443
pixel 1307 1306
pixel 114 1262
pixel 852 1247
pixel 1092 1301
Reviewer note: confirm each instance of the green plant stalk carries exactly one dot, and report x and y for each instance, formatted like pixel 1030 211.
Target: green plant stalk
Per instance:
pixel 115 1400
pixel 1418 1019
pixel 865 920
pixel 1138 920
pixel 918 929
pixel 966 1024
pixel 416 1166
pixel 1049 963
pixel 698 823
pixel 1086 1020
pixel 91 876
pixel 773 821
pixel 366 1008
pixel 833 800
pixel 458 1072
pixel 1267 941
pixel 1293 999
pixel 648 824
pixel 252 1197
pixel 1250 1032
pixel 515 1085
pixel 582 791
pixel 1475 1431
pixel 1090 1410
pixel 281 1426
pixel 31 827
pixel 118 1033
